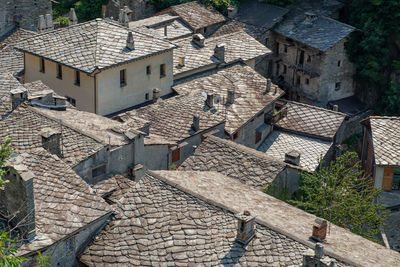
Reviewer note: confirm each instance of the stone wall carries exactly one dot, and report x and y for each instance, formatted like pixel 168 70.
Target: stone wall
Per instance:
pixel 140 8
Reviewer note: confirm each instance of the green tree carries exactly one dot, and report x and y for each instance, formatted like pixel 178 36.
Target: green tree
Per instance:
pixel 282 3
pixel 5 152
pixel 8 251
pixel 220 5
pixel 89 9
pixel 341 194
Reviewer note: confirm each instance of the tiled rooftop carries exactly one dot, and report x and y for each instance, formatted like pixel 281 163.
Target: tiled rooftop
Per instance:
pixel 238 45
pixel 24 124
pixel 7 83
pixel 312 150
pixel 172 118
pixel 247 165
pixel 386 140
pixel 64 203
pixel 235 25
pixel 321 34
pixel 249 88
pixel 96 44
pixel 11 60
pixel 197 15
pixel 310 120
pixel 187 218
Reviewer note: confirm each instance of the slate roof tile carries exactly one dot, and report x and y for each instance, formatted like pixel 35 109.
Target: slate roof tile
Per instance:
pixel 386 140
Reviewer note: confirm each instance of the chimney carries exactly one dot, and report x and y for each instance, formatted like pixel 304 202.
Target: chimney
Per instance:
pixel 103 11
pixel 72 18
pixel 210 100
pixel 51 140
pixel 196 123
pixel 18 197
pixel 245 227
pixel 316 258
pixel 198 39
pixel 219 52
pixel 41 24
pixel 156 92
pixel 319 230
pixel 232 11
pixel 269 83
pixel 231 97
pixel 165 30
pixel 123 18
pixel 130 43
pixel 181 61
pixel 335 108
pixel 293 157
pixel 310 18
pixel 18 96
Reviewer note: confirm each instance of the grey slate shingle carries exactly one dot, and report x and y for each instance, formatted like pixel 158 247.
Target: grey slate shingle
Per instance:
pixel 386 140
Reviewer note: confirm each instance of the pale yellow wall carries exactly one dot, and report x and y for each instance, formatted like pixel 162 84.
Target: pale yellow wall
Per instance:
pixel 83 94
pixel 113 98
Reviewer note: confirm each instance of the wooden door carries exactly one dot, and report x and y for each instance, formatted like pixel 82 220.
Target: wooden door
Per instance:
pixel 387 178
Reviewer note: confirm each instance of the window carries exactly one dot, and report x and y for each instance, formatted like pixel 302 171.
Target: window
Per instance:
pixel 285 48
pixel 301 59
pixel 309 59
pixel 99 171
pixel 337 86
pixel 148 70
pixel 176 155
pixel 122 77
pixel 339 63
pixel 146 96
pixel 284 69
pixel 162 70
pixel 77 78
pixel 41 63
pixel 396 179
pixel 307 81
pixel 59 71
pixel 71 100
pixel 235 136
pixel 277 48
pixel 258 137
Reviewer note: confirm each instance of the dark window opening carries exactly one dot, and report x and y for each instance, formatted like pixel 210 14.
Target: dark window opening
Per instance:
pixel 307 81
pixel 235 136
pixel 301 59
pixel 162 70
pixel 42 69
pixel 285 48
pixel 309 59
pixel 337 86
pixel 396 179
pixel 277 48
pixel 71 101
pixel 122 77
pixel 298 81
pixel 258 137
pixel 284 69
pixel 146 96
pixel 339 63
pixel 98 171
pixel 148 70
pixel 77 78
pixel 59 71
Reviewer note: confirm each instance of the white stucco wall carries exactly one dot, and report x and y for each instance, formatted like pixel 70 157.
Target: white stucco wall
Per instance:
pixel 379 176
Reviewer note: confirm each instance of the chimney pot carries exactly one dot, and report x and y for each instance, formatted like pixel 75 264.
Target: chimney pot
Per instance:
pixel 219 52
pixel 269 83
pixel 130 43
pixel 72 18
pixel 319 229
pixel 232 11
pixel 319 251
pixel 18 96
pixel 335 108
pixel 181 61
pixel 310 17
pixel 198 39
pixel 51 140
pixel 41 24
pixel 196 123
pixel 231 97
pixel 49 22
pixel 293 157
pixel 245 227
pixel 210 100
pixel 156 92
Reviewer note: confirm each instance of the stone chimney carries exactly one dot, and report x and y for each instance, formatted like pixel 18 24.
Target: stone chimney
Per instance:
pixel 181 61
pixel 130 43
pixel 335 108
pixel 319 230
pixel 219 52
pixel 49 22
pixel 51 140
pixel 42 24
pixel 103 11
pixel 72 18
pixel 123 18
pixel 269 83
pixel 210 100
pixel 18 196
pixel 156 93
pixel 310 17
pixel 18 96
pixel 245 227
pixel 196 123
pixel 316 258
pixel 293 157
pixel 230 99
pixel 198 39
pixel 232 11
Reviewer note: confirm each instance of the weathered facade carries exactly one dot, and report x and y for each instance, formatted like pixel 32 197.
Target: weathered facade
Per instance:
pixel 139 9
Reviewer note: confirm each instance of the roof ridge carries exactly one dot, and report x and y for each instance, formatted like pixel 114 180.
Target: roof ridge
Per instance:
pixel 385 117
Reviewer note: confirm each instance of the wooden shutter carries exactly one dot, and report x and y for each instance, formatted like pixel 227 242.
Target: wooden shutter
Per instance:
pixel 176 155
pixel 387 178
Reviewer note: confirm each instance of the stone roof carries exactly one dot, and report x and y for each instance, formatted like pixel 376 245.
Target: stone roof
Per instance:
pixel 92 45
pixel 249 88
pixel 7 83
pixel 187 218
pixel 238 45
pixel 247 165
pixel 24 124
pixel 235 26
pixel 386 140
pixel 197 15
pixel 321 34
pixel 310 120
pixel 64 203
pixel 10 59
pixel 278 143
pixel 172 118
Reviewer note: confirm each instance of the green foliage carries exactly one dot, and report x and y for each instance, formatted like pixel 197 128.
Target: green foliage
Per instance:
pixel 369 50
pixel 277 191
pixel 172 167
pixel 390 102
pixel 5 152
pixel 340 194
pixel 282 3
pixel 43 261
pixel 85 9
pixel 63 21
pixel 220 5
pixel 8 251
